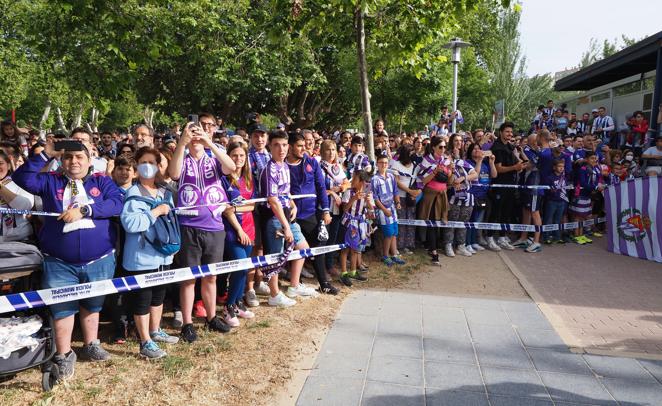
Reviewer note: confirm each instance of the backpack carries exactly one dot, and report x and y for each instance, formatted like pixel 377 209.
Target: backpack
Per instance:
pixel 164 235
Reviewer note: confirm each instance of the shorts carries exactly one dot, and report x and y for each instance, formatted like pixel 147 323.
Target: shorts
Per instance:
pixel 58 274
pixel 656 169
pixel 200 247
pixel 274 244
pixel 389 230
pixel 533 202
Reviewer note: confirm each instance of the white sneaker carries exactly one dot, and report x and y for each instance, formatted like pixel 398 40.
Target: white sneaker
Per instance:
pixel 491 245
pixel 263 289
pixel 448 250
pixel 470 249
pixel 462 250
pixel 521 243
pixel 482 242
pixel 477 247
pixel 281 301
pixel 301 290
pixel 503 243
pixel 251 299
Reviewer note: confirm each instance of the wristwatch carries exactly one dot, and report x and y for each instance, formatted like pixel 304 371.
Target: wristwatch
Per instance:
pixel 85 211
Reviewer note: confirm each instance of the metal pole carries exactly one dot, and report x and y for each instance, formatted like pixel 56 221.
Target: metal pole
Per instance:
pixel 657 96
pixel 454 94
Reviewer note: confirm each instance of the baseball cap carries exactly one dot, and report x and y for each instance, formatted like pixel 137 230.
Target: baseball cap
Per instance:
pixel 257 128
pixel 168 139
pixel 594 111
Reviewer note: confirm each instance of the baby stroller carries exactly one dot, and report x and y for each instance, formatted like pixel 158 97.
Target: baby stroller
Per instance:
pixel 20 267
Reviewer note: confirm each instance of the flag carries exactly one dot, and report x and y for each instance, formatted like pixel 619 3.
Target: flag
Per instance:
pixel 634 218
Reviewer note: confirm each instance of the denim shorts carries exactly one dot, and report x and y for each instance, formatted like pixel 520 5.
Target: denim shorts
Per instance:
pixel 58 273
pixel 273 244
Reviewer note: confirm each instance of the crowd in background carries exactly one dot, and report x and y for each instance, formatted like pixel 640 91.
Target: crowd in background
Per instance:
pixel 118 192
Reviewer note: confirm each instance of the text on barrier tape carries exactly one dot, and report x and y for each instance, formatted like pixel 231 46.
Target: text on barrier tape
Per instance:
pixel 46 297
pixel 501 226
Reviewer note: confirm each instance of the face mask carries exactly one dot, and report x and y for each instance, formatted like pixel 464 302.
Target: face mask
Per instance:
pixel 629 157
pixel 147 171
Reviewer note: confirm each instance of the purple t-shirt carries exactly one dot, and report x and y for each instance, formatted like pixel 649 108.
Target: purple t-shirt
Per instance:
pixel 200 183
pixel 275 181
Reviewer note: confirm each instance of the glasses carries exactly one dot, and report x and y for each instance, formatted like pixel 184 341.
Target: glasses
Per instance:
pixel 441 146
pixel 206 124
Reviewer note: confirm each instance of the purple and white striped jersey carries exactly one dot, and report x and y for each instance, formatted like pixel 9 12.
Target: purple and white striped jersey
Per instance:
pixel 275 181
pixel 384 189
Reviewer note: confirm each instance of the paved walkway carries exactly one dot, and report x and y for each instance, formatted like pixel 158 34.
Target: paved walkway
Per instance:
pixel 597 301
pixel 402 348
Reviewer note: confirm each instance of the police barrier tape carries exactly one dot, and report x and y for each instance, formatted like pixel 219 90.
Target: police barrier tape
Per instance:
pixel 186 211
pixel 46 297
pixel 492 185
pixel 501 226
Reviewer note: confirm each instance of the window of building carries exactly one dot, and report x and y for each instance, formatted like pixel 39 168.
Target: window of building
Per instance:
pixel 600 96
pixel 628 88
pixel 648 84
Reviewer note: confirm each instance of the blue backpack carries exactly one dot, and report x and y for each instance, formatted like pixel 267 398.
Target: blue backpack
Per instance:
pixel 164 235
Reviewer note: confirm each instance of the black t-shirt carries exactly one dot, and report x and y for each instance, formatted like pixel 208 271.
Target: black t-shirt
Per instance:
pixel 503 154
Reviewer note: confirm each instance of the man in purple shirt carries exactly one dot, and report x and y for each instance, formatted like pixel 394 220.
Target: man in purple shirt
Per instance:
pixel 279 215
pixel 203 236
pixel 78 245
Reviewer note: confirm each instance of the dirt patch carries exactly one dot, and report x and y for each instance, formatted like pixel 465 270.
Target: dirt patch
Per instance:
pixel 247 367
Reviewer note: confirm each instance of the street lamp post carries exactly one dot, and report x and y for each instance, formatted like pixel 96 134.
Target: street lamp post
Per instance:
pixel 455 45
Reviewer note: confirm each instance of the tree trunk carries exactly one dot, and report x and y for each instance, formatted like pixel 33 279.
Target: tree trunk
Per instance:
pixel 44 117
pixel 78 118
pixel 94 118
pixel 359 26
pixel 60 121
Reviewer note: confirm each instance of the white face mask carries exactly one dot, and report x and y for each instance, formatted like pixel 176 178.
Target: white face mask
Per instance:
pixel 629 157
pixel 147 171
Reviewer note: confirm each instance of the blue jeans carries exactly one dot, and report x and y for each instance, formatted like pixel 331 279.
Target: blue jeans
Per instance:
pixel 554 210
pixel 234 250
pixel 477 216
pixel 58 274
pixel 275 245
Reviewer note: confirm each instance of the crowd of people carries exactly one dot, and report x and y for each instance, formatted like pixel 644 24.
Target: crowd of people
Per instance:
pixel 118 194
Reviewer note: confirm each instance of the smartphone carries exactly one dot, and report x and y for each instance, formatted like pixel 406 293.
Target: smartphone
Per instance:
pixel 193 118
pixel 68 145
pixel 487 153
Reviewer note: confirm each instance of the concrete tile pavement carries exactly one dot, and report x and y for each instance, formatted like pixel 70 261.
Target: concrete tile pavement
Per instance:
pixel 404 348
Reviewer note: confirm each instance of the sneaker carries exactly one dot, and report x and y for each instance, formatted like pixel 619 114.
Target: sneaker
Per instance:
pixel 217 324
pixel 470 249
pixel 358 276
pixel 243 312
pixel 222 299
pixel 535 247
pixel 151 350
pixel 435 259
pixel 586 239
pixel 328 288
pixel 94 352
pixel 262 289
pixel 305 273
pixel 161 336
pixel 300 290
pixel 505 244
pixel 597 234
pixel 548 241
pixel 188 333
pixel 579 240
pixel 388 261
pixel 251 299
pixel 281 301
pixel 492 245
pixel 65 364
pixel 407 251
pixel 561 241
pixel 521 243
pixel 482 241
pixel 363 268
pixel 478 247
pixel 448 250
pixel 199 310
pixel 462 250
pixel 397 260
pixel 178 320
pixel 230 317
pixel 344 279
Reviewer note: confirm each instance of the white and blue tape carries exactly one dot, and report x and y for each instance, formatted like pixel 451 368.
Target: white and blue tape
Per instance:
pixel 46 297
pixel 501 226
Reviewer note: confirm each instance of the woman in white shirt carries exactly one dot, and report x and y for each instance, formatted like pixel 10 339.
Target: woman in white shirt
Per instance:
pixel 14 227
pixel 406 179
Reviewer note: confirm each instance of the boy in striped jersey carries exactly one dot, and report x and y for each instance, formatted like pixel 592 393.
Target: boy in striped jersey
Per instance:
pixel 387 200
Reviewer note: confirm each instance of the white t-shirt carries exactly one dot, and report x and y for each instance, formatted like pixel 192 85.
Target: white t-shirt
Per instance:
pixel 396 165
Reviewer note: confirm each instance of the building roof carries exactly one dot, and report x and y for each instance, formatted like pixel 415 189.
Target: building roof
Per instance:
pixel 637 58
